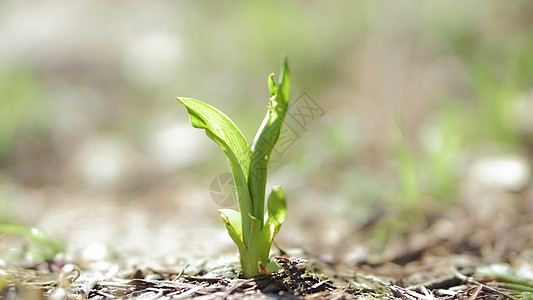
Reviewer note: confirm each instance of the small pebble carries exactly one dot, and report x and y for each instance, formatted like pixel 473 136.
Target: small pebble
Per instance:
pixel 58 294
pixel 154 276
pixel 511 173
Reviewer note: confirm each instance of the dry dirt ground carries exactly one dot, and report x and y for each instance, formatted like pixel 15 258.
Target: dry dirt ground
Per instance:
pixel 469 252
pixel 299 278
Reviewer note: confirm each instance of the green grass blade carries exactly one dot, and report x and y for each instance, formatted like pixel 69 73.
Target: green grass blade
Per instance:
pixel 225 133
pixel 49 247
pixel 266 138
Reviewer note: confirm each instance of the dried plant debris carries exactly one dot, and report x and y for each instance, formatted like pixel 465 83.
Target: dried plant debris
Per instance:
pixel 297 279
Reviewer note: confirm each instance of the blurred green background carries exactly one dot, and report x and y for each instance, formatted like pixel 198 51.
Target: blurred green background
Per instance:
pixel 418 97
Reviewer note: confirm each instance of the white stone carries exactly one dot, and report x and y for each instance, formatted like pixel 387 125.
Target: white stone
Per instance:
pixel 511 173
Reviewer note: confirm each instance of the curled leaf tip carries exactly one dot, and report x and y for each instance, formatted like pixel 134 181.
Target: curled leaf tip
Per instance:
pixel 273 89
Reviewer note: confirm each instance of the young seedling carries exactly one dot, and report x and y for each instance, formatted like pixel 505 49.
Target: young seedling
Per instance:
pixel 250 228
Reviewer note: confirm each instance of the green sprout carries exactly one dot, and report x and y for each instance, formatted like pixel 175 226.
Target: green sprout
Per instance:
pixel 250 228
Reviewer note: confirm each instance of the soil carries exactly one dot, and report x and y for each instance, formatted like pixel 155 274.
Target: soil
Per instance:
pixel 298 279
pixel 473 259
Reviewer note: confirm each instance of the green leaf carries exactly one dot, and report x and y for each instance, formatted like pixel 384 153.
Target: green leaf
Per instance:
pixel 225 133
pixel 48 246
pixel 216 123
pixel 275 216
pixel 232 219
pixel 272 267
pixel 272 88
pixel 266 139
pixel 277 206
pixel 256 247
pixel 284 81
pixel 277 210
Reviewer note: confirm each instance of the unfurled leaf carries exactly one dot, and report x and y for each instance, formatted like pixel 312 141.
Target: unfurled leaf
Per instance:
pixel 220 127
pixel 225 133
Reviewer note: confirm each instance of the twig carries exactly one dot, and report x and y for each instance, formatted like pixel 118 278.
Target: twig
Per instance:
pixel 180 273
pixel 230 290
pixel 471 280
pixel 189 292
pixel 203 279
pixel 476 292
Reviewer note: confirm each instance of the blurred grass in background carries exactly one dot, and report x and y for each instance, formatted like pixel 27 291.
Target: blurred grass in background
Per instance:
pixel 412 93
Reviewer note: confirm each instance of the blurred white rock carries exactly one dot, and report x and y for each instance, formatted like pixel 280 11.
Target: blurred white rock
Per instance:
pixel 510 172
pixel 152 58
pixel 96 252
pixel 172 145
pixel 102 162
